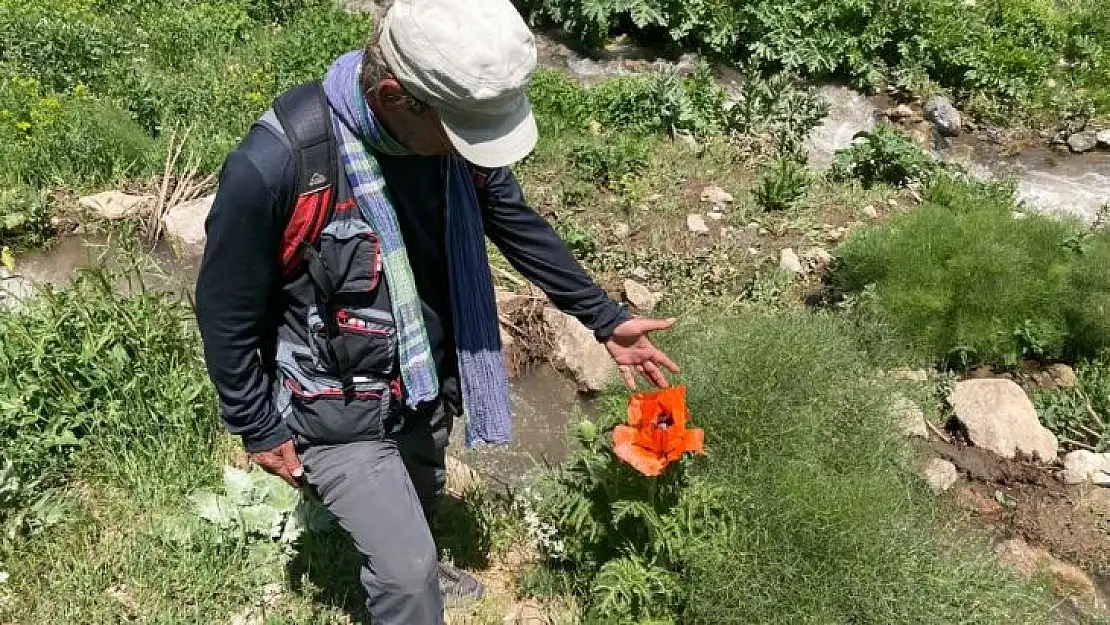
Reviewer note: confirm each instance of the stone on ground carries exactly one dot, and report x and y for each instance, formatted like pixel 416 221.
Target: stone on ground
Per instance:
pixel 909 418
pixel 696 224
pixel 1103 137
pixel 716 196
pixel 999 416
pixel 184 225
pixel 789 261
pixel 945 117
pixel 1067 580
pixel 1082 466
pixel 640 296
pixel 903 113
pixel 1083 141
pixel 575 350
pixel 940 475
pixel 13 290
pixel 114 205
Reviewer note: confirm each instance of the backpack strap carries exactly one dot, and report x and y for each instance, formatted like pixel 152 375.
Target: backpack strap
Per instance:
pixel 305 119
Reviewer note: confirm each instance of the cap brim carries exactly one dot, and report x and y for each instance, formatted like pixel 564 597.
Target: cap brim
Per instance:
pixel 492 141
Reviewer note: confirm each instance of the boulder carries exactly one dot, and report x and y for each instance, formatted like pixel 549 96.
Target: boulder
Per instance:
pixel 184 225
pixel 1103 138
pixel 909 419
pixel 789 261
pixel 999 416
pixel 1081 142
pixel 1083 466
pixel 945 118
pixel 640 296
pixel 696 224
pixel 577 351
pixel 940 475
pixel 115 205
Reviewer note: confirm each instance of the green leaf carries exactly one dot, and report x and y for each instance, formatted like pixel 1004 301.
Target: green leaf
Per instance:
pixel 239 485
pixel 273 491
pixel 262 520
pixel 213 508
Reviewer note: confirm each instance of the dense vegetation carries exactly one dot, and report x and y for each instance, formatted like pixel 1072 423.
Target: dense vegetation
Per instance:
pixel 997 56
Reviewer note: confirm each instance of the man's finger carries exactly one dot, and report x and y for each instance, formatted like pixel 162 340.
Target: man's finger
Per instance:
pixel 651 325
pixel 292 462
pixel 655 376
pixel 626 374
pixel 663 359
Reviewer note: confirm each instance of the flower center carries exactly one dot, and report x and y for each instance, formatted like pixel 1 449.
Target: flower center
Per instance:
pixel 664 421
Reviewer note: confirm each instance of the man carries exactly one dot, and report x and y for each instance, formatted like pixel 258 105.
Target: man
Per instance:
pixel 342 370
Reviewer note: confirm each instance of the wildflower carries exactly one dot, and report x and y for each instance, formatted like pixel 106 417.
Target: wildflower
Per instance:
pixel 3 576
pixel 656 434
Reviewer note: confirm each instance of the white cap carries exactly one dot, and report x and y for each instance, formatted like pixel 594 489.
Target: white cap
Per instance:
pixel 472 60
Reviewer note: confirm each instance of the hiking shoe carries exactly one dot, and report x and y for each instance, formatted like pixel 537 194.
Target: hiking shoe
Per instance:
pixel 457 587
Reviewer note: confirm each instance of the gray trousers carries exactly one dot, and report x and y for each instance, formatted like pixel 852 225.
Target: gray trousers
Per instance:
pixel 384 494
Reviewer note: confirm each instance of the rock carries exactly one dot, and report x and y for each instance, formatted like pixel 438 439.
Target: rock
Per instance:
pixel 789 261
pixel 910 375
pixel 903 113
pixel 1083 466
pixel 817 258
pixel 870 212
pixel 1103 138
pixel 696 224
pixel 640 296
pixel 909 418
pixel 1083 141
pixel 715 216
pixel 999 416
pixel 115 205
pixel 575 350
pixel 461 479
pixel 14 289
pixel 945 118
pixel 640 273
pixel 940 475
pixel 184 225
pixel 716 196
pixel 621 230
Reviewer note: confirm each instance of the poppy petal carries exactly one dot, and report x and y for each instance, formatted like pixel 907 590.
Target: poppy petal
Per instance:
pixel 639 458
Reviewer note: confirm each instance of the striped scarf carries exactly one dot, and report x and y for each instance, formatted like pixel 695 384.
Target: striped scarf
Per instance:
pixel 485 386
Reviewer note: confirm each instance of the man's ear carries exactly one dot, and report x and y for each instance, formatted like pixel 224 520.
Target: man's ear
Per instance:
pixel 390 95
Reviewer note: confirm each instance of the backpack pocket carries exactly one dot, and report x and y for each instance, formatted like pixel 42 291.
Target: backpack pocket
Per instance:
pixel 362 341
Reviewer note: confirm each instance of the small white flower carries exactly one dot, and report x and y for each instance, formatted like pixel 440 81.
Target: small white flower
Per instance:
pixel 3 576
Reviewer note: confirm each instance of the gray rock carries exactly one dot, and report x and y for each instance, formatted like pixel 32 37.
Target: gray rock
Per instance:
pixel 715 216
pixel 999 416
pixel 903 113
pixel 184 225
pixel 640 273
pixel 908 417
pixel 115 205
pixel 1083 141
pixel 940 475
pixel 696 224
pixel 640 296
pixel 945 118
pixel 1103 137
pixel 1083 466
pixel 789 261
pixel 14 289
pixel 576 351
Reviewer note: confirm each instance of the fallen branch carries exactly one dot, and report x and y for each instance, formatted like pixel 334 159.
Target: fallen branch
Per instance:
pixel 940 433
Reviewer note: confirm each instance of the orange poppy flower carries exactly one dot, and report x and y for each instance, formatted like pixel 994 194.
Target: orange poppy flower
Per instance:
pixel 656 433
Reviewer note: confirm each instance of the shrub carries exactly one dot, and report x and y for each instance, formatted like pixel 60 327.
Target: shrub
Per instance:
pixel 782 184
pixel 964 282
pixel 803 481
pixel 24 218
pixel 611 158
pixel 884 156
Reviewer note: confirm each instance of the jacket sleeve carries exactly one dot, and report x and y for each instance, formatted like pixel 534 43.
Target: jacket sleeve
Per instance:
pixel 534 249
pixel 233 301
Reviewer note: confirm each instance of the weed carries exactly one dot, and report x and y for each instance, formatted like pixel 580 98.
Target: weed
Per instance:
pixel 1080 416
pixel 884 156
pixel 611 159
pixel 782 184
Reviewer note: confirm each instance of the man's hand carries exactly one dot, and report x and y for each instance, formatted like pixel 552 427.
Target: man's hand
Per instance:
pixel 281 461
pixel 633 351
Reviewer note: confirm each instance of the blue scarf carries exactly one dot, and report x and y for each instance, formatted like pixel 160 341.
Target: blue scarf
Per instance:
pixel 485 384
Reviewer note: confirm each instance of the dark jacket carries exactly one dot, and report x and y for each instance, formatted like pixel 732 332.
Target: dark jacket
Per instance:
pixel 238 299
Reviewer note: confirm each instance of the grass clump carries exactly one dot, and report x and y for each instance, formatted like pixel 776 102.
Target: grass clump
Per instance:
pixel 782 184
pixel 803 481
pixel 963 282
pixel 91 384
